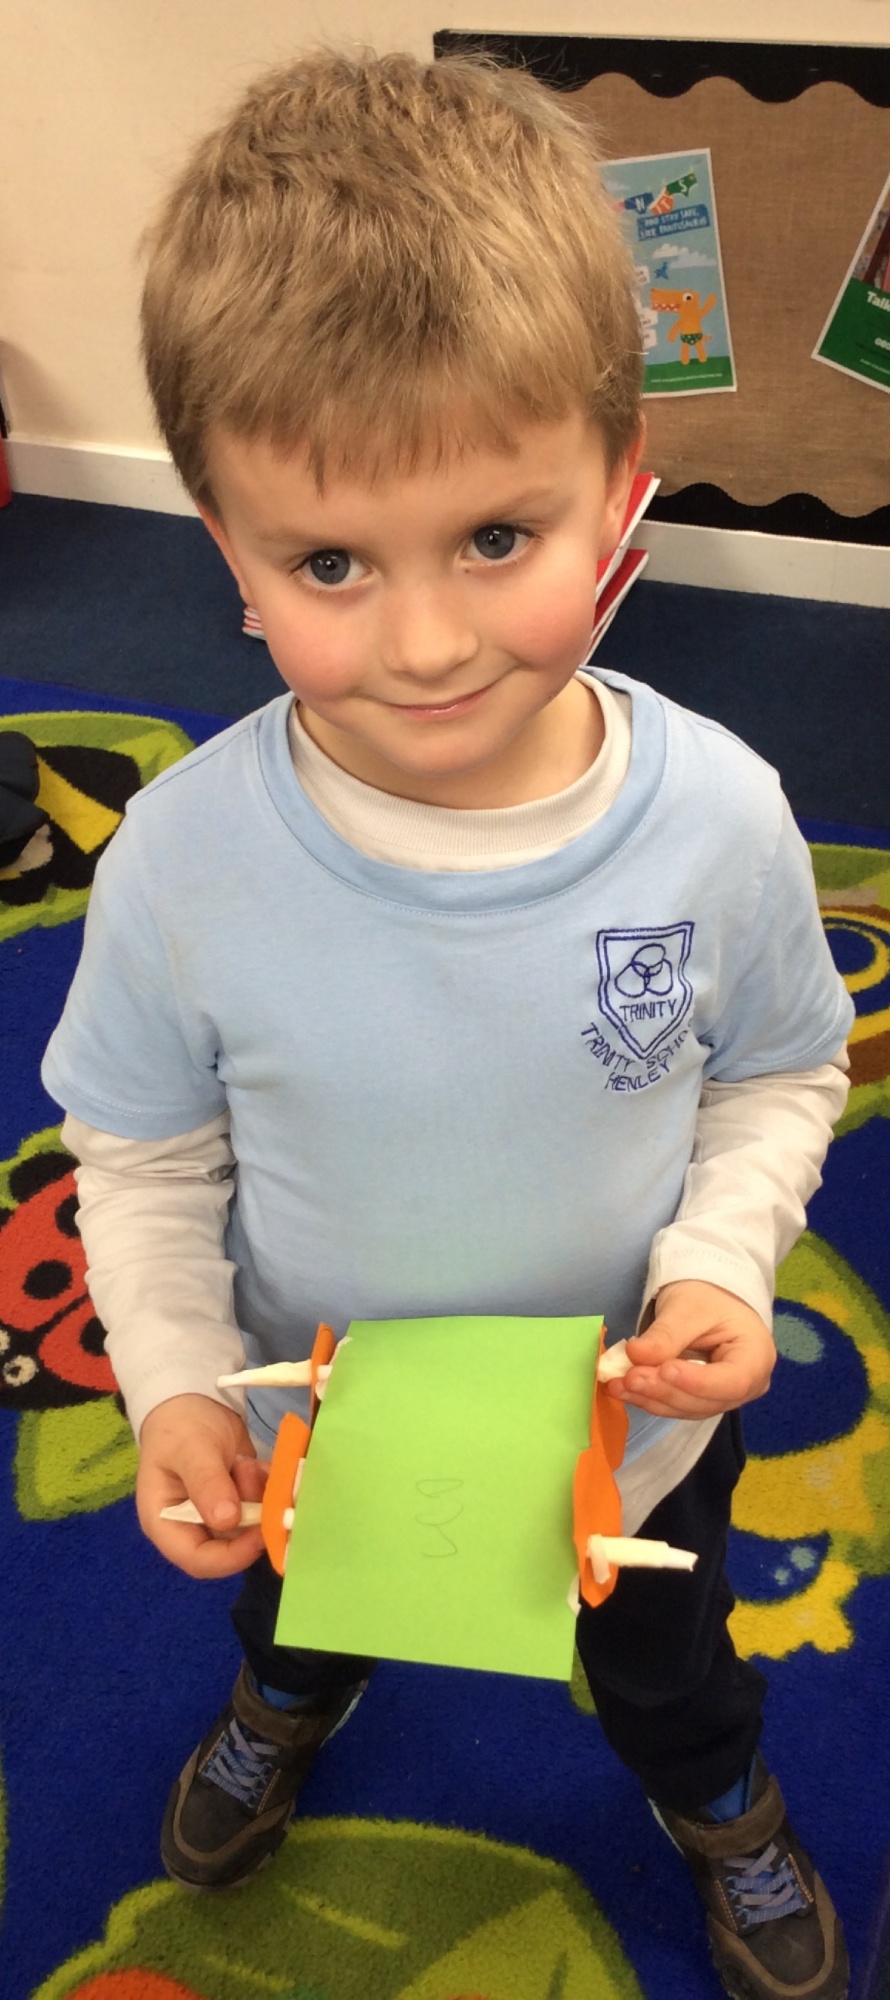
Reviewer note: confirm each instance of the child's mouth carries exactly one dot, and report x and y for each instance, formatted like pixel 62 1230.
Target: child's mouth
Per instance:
pixel 429 711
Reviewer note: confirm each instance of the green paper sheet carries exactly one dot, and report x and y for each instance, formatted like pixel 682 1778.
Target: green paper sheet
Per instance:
pixel 434 1519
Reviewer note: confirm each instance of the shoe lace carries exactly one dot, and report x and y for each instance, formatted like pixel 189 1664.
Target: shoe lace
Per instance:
pixel 761 1890
pixel 242 1764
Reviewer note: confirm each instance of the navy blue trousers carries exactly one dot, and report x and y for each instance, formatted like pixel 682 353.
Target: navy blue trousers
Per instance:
pixel 674 1700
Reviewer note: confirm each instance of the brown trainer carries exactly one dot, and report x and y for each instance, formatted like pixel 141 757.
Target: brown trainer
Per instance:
pixel 229 1810
pixel 774 1931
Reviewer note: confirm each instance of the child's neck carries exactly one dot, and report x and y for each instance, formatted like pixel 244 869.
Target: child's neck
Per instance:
pixel 564 744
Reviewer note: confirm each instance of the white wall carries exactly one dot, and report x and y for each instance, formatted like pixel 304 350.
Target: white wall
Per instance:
pixel 100 99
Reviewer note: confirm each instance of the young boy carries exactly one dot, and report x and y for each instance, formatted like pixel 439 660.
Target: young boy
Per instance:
pixel 456 980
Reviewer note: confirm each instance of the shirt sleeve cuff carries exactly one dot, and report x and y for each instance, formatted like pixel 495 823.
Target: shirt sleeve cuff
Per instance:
pixel 678 1256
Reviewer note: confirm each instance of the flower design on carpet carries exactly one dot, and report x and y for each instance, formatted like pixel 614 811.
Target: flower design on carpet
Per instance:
pixel 400 1911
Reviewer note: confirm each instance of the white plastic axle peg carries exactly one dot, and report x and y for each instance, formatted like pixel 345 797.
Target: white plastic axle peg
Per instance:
pixel 614 1362
pixel 185 1510
pixel 278 1375
pixel 632 1552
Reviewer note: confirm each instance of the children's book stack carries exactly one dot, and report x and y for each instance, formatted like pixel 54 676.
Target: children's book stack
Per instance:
pixel 617 573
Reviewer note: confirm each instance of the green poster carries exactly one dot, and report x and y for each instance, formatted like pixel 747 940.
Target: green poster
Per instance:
pixel 856 335
pixel 434 1517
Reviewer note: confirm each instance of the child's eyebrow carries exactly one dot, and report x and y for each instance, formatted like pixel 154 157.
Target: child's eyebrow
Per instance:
pixel 284 538
pixel 522 503
pixel 506 508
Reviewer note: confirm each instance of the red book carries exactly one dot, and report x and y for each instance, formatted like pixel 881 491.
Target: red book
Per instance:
pixel 644 486
pixel 631 565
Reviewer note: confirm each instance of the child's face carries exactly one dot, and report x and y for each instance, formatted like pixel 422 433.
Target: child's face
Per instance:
pixel 431 624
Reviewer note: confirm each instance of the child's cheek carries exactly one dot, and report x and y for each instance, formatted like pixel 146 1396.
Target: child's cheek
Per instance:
pixel 317 654
pixel 556 629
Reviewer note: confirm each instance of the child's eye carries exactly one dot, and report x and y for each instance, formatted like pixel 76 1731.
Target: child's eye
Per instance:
pixel 498 540
pixel 330 567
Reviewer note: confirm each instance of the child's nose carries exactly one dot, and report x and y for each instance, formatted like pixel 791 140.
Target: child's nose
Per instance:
pixel 426 634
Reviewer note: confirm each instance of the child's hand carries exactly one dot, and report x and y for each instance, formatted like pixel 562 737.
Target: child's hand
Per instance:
pixel 695 1318
pixel 193 1448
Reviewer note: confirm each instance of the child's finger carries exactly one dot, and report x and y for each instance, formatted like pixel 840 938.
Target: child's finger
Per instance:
pixel 204 1555
pixel 660 1342
pixel 208 1481
pixel 688 1389
pixel 190 1548
pixel 250 1475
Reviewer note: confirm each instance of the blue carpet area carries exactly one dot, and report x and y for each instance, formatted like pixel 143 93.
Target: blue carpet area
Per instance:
pixel 125 603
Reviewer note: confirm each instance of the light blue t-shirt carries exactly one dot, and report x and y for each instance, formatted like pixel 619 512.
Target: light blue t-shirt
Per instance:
pixel 448 1093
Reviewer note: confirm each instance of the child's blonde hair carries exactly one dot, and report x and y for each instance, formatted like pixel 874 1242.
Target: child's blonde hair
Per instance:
pixel 375 257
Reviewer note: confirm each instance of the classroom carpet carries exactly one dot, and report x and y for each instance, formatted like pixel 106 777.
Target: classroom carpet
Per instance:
pixel 468 1836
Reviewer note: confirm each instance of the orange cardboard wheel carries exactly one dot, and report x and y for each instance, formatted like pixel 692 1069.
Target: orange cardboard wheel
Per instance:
pixel 290 1448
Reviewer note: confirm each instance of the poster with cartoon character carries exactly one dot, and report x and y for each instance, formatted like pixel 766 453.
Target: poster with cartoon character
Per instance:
pixel 667 206
pixel 856 334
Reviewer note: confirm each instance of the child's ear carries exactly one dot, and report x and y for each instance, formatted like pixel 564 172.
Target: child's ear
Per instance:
pixel 618 485
pixel 215 527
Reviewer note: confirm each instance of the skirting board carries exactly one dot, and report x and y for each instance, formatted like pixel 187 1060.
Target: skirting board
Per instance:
pixel 712 558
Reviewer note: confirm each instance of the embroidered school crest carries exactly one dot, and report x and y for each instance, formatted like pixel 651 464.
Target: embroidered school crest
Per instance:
pixel 643 988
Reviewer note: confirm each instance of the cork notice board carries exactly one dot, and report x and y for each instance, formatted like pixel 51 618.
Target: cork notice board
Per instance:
pixel 794 184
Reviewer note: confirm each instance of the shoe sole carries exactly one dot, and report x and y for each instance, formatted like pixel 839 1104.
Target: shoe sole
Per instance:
pixel 218 1888
pixel 239 1881
pixel 747 1992
pixel 738 1987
